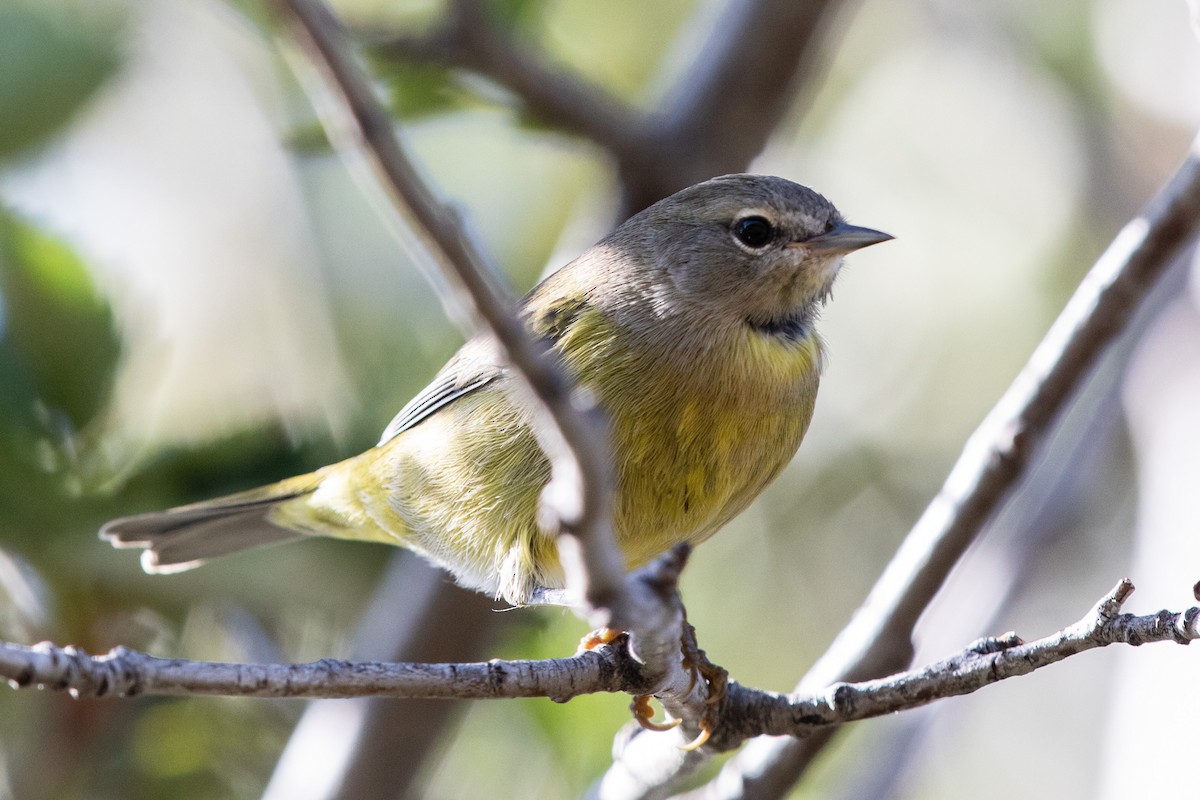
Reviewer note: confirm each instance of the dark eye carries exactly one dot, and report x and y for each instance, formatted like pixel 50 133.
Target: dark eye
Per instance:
pixel 753 232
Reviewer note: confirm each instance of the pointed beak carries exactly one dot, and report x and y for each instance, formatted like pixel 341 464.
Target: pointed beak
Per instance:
pixel 844 238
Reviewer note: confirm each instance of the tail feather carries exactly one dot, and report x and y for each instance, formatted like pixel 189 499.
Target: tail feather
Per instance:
pixel 184 537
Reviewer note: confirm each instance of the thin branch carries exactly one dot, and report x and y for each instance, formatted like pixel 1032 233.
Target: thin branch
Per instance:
pixel 126 673
pixel 752 712
pixel 997 453
pixel 571 431
pixel 747 712
pixel 983 663
pixel 877 639
pixel 470 38
pixel 743 80
pixel 714 120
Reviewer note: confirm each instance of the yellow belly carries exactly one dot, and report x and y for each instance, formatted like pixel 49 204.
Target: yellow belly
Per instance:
pixel 715 439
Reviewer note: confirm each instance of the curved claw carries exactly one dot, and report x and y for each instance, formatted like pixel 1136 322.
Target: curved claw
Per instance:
pixel 698 742
pixel 643 712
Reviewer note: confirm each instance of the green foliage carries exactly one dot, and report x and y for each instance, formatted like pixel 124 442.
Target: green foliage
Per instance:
pixel 48 69
pixel 57 352
pixel 421 90
pixel 58 331
pixel 517 13
pixel 309 139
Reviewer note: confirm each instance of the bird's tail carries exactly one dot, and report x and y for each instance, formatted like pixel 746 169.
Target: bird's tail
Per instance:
pixel 182 538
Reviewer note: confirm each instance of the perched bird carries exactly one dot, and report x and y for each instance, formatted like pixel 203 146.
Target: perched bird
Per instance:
pixel 693 325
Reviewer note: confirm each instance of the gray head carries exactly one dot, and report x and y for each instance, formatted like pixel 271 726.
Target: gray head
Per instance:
pixel 761 248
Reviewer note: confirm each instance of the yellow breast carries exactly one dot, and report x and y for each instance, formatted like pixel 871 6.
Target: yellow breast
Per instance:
pixel 697 435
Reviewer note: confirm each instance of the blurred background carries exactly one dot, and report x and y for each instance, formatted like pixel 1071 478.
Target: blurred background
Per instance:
pixel 198 296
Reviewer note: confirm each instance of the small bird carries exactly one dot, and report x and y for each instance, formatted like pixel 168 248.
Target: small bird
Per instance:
pixel 692 324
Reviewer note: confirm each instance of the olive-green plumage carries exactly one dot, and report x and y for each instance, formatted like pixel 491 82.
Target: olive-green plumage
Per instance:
pixel 692 323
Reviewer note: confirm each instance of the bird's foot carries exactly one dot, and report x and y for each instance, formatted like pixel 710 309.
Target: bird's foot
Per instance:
pixel 696 663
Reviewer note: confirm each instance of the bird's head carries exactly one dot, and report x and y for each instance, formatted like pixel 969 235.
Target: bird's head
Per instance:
pixel 764 249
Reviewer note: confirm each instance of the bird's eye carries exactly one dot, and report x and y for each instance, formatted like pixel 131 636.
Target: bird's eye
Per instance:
pixel 753 232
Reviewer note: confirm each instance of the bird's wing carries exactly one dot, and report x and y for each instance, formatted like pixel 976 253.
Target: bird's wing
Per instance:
pixel 443 390
pixel 478 362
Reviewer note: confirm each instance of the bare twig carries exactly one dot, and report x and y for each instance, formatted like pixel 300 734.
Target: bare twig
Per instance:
pixel 571 431
pixel 748 712
pixel 469 38
pixel 752 712
pixel 998 451
pixel 877 639
pixel 981 664
pixel 124 672
pixel 743 80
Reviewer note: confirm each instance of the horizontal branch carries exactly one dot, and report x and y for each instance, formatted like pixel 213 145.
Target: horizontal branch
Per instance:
pixel 746 712
pixel 617 668
pixel 125 673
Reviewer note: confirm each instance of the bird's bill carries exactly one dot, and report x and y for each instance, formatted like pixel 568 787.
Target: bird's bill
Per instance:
pixel 844 238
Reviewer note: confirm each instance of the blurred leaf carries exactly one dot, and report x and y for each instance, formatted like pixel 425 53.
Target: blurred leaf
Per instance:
pixel 420 90
pixel 308 138
pixel 57 351
pixel 517 13
pixel 48 69
pixel 57 331
pixel 168 740
pixel 533 123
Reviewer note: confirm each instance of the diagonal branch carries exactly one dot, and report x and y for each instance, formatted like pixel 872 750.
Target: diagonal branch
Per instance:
pixel 997 453
pixel 571 430
pixel 877 640
pixel 752 712
pixel 715 119
pixel 743 80
pixel 981 664
pixel 470 38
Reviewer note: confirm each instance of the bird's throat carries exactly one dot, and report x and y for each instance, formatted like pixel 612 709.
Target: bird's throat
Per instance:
pixel 790 327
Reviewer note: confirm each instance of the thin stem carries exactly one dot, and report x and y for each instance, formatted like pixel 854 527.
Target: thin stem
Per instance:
pixel 570 430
